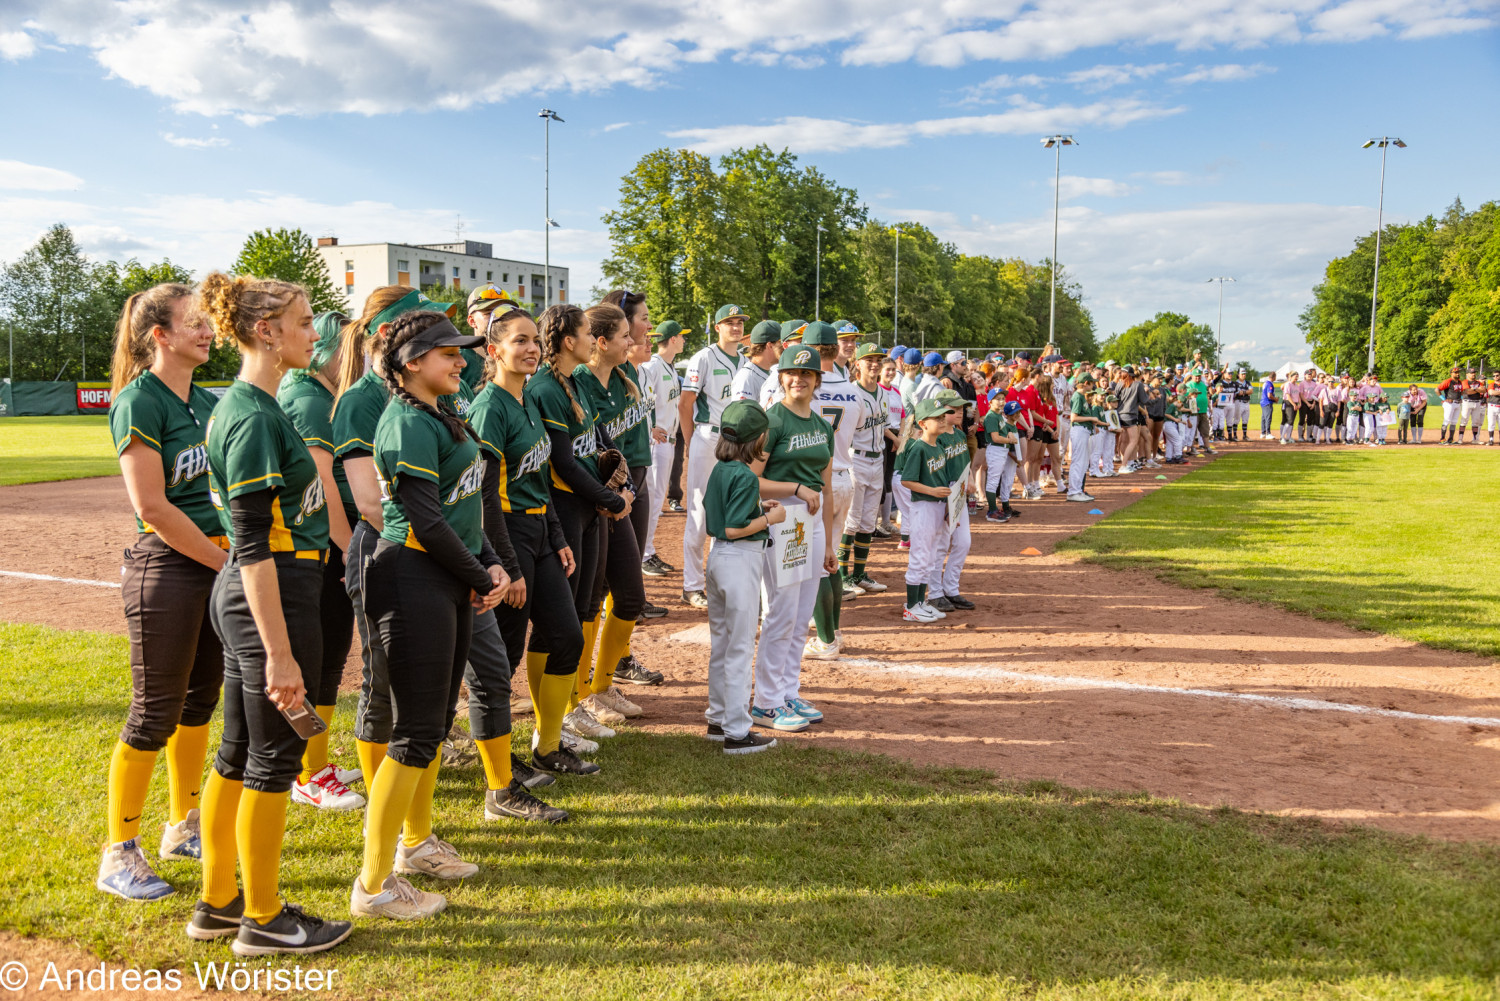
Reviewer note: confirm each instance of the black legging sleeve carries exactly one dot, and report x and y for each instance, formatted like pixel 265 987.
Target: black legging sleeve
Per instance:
pixel 250 516
pixel 556 538
pixel 419 500
pixel 495 529
pixel 583 483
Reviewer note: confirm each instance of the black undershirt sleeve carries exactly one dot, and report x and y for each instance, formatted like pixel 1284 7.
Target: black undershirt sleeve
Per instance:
pixel 555 534
pixel 495 529
pixel 419 500
pixel 250 516
pixel 572 472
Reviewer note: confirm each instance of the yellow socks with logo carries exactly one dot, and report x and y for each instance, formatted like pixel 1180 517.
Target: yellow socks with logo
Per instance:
pixel 129 778
pixel 315 756
pixel 391 794
pixel 419 814
pixel 536 665
pixel 557 689
pixel 371 755
pixel 495 753
pixel 614 643
pixel 259 830
pixel 186 749
pixel 221 807
pixel 585 663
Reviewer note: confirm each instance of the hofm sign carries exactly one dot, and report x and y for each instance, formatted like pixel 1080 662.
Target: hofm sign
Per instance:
pixel 93 396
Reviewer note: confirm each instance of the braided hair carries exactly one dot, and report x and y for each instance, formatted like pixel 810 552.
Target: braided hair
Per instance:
pixel 403 329
pixel 557 324
pixel 603 319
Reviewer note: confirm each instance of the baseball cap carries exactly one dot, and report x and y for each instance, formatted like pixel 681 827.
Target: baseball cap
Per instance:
pixel 442 334
pixel 1023 356
pixel 792 329
pixel 1242 371
pixel 413 300
pixel 489 295
pixel 846 329
pixel 949 399
pixel 868 350
pixel 668 328
pixel 930 407
pixel 912 357
pixel 932 358
pixel 800 356
pixel 956 356
pixel 1011 409
pixel 728 312
pixel 817 332
pixel 742 421
pixel 1111 398
pixel 765 332
pixel 898 351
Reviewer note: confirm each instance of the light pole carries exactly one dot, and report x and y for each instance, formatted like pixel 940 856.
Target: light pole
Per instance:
pixel 818 279
pixel 1219 331
pixel 896 304
pixel 1057 143
pixel 548 116
pixel 1383 142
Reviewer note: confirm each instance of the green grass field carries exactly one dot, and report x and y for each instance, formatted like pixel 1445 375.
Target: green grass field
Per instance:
pixel 36 449
pixel 792 874
pixel 1392 540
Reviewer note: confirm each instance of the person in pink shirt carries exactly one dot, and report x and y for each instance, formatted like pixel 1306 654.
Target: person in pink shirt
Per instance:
pixel 1291 403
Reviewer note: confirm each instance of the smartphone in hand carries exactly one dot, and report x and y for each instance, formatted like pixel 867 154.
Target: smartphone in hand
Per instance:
pixel 307 723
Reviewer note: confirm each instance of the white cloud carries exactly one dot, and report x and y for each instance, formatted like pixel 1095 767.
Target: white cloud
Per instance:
pixel 616 126
pixel 1102 187
pixel 264 58
pixel 827 135
pixel 1224 74
pixel 187 142
pixel 18 176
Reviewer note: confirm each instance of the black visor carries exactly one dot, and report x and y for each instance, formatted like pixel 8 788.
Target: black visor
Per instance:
pixel 439 335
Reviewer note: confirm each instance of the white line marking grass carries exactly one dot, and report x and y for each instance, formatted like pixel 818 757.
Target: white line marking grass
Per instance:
pixel 59 580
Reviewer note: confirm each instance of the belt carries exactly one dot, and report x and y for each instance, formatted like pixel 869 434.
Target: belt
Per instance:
pixel 867 455
pixel 311 554
pixel 712 428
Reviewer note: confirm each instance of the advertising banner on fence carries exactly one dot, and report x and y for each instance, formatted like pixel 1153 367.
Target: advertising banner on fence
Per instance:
pixel 93 397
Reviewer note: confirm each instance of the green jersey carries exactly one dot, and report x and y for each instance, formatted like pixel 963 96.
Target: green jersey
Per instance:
pixel 409 442
pixel 627 421
pixel 995 423
pixel 460 401
pixel 732 500
pixel 357 414
pixel 149 412
pixel 552 402
pixel 1079 405
pixel 310 406
pixel 253 445
pixel 798 449
pixel 511 433
pixel 926 464
pixel 956 452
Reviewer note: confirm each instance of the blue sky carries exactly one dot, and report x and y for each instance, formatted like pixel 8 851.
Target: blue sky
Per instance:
pixel 1217 138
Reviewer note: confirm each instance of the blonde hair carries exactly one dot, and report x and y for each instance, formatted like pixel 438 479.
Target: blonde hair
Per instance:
pixel 235 305
pixel 604 319
pixel 135 348
pixel 357 333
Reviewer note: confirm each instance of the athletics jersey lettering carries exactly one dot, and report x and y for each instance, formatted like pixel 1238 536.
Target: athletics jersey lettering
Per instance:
pixel 535 458
pixel 936 464
pixel 630 417
pixel 809 439
pixel 190 464
pixel 585 445
pixel 312 500
pixel 469 481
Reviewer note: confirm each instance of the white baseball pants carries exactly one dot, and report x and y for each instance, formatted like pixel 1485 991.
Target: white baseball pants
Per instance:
pixel 778 661
pixel 700 463
pixel 733 591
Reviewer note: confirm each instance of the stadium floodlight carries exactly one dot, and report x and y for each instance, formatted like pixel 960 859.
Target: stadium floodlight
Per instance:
pixel 548 116
pixel 1384 142
pixel 818 275
pixel 1055 142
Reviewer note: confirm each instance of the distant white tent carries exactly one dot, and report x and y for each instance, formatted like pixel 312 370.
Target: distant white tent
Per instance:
pixel 1300 367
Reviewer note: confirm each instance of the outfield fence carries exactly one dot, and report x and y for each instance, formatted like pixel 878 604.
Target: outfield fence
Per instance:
pixel 66 399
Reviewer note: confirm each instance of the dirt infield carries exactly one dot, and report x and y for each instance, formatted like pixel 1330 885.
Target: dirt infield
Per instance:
pixel 1066 672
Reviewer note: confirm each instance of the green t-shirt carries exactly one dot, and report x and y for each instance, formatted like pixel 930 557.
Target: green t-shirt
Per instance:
pixel 995 423
pixel 551 400
pixel 1079 406
pixel 146 410
pixel 460 401
pixel 627 421
pixel 926 464
pixel 310 406
pixel 732 500
pixel 409 442
pixel 511 433
pixel 253 445
pixel 357 414
pixel 1200 393
pixel 473 372
pixel 956 452
pixel 797 448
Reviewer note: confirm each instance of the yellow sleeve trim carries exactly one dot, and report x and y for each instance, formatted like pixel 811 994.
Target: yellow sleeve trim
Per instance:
pixel 258 479
pixel 356 441
pixel 416 469
pixel 556 424
pixel 328 445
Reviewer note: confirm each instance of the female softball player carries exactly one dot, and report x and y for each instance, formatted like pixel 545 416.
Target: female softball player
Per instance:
pixel 867 467
pixel 922 466
pixel 306 394
pixel 157 420
pixel 266 611
pixel 433 568
pixel 798 470
pixel 738 523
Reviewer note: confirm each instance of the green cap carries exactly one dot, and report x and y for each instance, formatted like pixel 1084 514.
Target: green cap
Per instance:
pixel 728 313
pixel 818 332
pixel 668 328
pixel 792 329
pixel 868 351
pixel 799 356
pixel 410 302
pixel 765 332
pixel 1111 398
pixel 846 328
pixel 742 421
pixel 930 407
pixel 950 397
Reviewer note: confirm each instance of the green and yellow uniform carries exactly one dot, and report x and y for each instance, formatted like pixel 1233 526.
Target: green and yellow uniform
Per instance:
pixel 310 406
pixel 797 448
pixel 926 464
pixel 552 402
pixel 732 500
pixel 627 421
pixel 149 412
pixel 409 442
pixel 511 433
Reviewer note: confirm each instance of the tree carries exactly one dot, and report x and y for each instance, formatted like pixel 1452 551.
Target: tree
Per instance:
pixel 289 255
pixel 1166 338
pixel 1074 334
pixel 58 321
pixel 1467 326
pixel 926 265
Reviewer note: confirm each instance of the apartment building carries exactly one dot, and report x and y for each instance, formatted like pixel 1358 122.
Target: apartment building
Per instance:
pixel 363 267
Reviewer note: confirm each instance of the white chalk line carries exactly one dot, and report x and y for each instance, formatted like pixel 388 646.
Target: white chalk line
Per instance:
pixel 1065 681
pixel 59 580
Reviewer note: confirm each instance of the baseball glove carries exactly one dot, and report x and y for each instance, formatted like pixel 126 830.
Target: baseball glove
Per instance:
pixel 612 469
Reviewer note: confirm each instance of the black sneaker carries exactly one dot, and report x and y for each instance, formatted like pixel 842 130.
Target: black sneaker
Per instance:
pixel 881 532
pixel 959 601
pixel 526 775
pixel 515 801
pixel 714 732
pixel 749 743
pixel 650 611
pixel 675 506
pixel 662 564
pixel 633 672
pixel 563 762
pixel 293 930
pixel 941 603
pixel 211 922
pixel 652 567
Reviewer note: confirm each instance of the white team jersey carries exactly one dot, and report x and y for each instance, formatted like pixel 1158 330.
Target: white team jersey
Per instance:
pixel 660 385
pixel 748 382
pixel 711 375
pixel 895 406
pixel 770 390
pixel 873 419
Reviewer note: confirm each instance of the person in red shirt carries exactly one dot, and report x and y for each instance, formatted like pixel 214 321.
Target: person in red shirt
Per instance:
pixel 1451 392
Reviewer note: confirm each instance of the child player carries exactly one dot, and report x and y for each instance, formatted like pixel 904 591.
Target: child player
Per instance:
pixel 922 466
pixel 867 466
pixel 953 541
pixel 1000 440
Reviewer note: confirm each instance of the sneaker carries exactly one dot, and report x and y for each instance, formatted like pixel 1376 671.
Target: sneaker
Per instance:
pixel 397 899
pixel 563 762
pixel 662 564
pixel 578 745
pixel 180 840
pixel 940 603
pixel 749 743
pixel 997 516
pixel 1012 513
pixel 905 544
pixel 675 506
pixel 433 857
pixel 851 590
pixel 125 872
pixel 515 801
pixel 293 930
pixel 934 611
pixel 714 732
pixel 873 586
pixel 348 776
pixel 581 724
pixel 918 613
pixel 883 532
pixel 529 777
pixel 633 672
pixel 782 718
pixel 651 567
pixel 960 602
pixel 816 649
pixel 599 708
pixel 697 599
pixel 805 709
pixel 209 922
pixel 326 792
pixel 1079 497
pixel 613 698
pixel 650 611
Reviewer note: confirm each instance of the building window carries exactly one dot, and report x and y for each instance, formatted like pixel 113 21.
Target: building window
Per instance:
pixel 473 273
pixel 561 283
pixel 489 276
pixel 455 275
pixel 403 265
pixel 505 276
pixel 348 265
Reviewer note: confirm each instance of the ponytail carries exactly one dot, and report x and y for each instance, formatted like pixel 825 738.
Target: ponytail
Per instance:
pixel 135 347
pixel 603 320
pixel 558 324
pixel 359 339
pixel 403 329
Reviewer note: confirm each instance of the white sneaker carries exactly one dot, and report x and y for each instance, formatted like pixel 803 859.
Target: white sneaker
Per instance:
pixel 873 586
pixel 578 745
pixel 433 857
pixel 181 840
pixel 397 899
pixel 934 611
pixel 1080 497
pixel 124 871
pixel 348 776
pixel 326 792
pixel 613 698
pixel 581 724
pixel 816 649
pixel 918 613
pixel 601 711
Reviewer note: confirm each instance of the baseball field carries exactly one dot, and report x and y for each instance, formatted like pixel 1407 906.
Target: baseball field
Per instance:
pixel 1234 737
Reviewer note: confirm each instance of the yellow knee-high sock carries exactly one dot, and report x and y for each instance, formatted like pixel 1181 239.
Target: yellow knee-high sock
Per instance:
pixel 585 663
pixel 186 749
pixel 536 664
pixel 419 815
pixel 614 643
pixel 259 830
pixel 557 689
pixel 221 807
pixel 390 798
pixel 495 753
pixel 129 778
pixel 370 757
pixel 316 754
